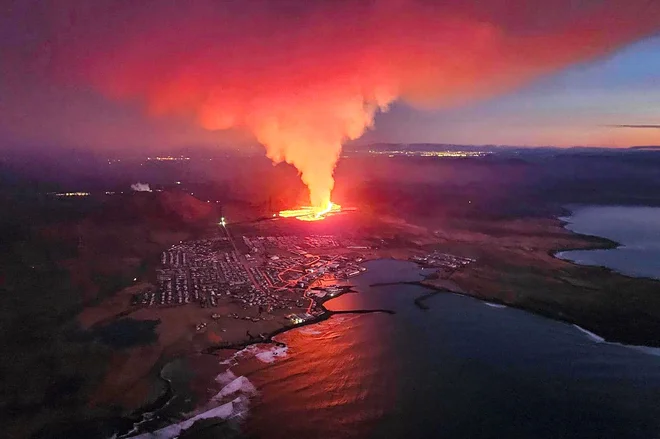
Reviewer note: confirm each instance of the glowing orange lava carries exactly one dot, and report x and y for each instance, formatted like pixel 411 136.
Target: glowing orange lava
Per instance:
pixel 310 213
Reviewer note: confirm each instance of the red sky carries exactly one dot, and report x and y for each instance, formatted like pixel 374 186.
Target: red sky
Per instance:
pixel 302 77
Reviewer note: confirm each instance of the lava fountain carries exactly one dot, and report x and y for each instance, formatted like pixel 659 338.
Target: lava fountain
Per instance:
pixel 310 213
pixel 304 77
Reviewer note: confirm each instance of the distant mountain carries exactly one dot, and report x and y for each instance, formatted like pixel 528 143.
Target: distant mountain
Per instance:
pixel 645 148
pixel 502 150
pixel 420 147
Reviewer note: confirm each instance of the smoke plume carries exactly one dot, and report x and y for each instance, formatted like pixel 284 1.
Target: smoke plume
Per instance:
pixel 305 76
pixel 141 187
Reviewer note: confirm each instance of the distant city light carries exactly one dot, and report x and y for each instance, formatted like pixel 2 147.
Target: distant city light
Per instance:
pixel 393 153
pixel 168 158
pixel 72 194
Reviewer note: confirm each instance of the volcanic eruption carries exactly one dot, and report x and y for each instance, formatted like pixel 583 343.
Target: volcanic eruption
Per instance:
pixel 303 77
pixel 311 213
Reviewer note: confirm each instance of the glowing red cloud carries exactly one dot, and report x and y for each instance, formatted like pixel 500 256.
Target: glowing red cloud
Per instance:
pixel 305 76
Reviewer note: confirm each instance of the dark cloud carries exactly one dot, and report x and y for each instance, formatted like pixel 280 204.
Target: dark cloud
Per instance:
pixel 635 126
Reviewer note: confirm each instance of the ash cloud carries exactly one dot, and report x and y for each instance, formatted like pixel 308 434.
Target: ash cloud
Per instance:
pixel 305 76
pixel 656 127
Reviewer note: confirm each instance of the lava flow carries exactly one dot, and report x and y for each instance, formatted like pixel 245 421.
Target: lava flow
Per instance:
pixel 309 213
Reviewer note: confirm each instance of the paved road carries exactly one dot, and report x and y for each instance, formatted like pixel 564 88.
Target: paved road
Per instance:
pixel 241 258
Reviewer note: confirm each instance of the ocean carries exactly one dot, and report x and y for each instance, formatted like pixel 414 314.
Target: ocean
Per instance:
pixel 461 369
pixel 636 228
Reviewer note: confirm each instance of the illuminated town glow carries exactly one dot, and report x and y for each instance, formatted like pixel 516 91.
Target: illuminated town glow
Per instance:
pixel 409 153
pixel 309 213
pixel 72 194
pixel 168 158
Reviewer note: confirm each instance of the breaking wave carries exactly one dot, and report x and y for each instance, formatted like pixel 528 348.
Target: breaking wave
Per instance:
pixel 494 305
pixel 265 354
pixel 272 354
pixel 240 385
pixel 232 401
pixel 650 350
pixel 591 335
pixel 235 408
pixel 225 377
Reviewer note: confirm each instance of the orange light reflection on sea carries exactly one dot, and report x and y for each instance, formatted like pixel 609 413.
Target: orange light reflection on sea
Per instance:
pixel 332 376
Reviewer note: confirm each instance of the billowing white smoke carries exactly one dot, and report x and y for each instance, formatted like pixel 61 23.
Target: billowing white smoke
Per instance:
pixel 141 187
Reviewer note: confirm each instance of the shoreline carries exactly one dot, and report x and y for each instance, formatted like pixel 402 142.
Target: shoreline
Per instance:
pixel 650 350
pixel 599 243
pixel 268 338
pixel 592 242
pixel 145 412
pixel 420 302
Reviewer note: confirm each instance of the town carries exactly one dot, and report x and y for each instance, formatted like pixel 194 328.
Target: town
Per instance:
pixel 275 273
pixel 444 263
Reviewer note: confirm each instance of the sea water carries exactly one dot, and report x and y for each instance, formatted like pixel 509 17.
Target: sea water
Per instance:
pixel 462 369
pixel 636 229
